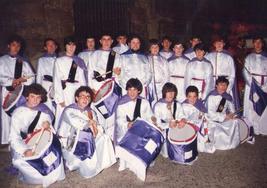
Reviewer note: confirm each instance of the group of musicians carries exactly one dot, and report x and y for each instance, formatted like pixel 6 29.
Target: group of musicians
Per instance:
pixel 169 90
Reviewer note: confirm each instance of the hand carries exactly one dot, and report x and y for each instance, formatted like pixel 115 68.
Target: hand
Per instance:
pixel 117 70
pixel 172 124
pixel 46 125
pixel 130 124
pixel 28 153
pixel 229 116
pixel 62 104
pixel 93 127
pixel 181 123
pixel 15 83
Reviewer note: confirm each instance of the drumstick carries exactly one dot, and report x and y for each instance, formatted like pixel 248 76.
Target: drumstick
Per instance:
pixel 38 140
pixel 102 74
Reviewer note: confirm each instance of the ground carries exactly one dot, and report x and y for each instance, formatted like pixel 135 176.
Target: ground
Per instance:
pixel 245 166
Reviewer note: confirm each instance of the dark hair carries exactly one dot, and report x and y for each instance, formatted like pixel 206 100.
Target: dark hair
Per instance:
pixel 257 37
pixel 50 39
pixel 222 79
pixel 87 90
pixel 218 38
pixel 166 38
pixel 169 87
pixel 153 42
pixel 70 39
pixel 191 89
pixel 15 38
pixel 177 42
pixel 134 36
pixel 135 83
pixel 36 89
pixel 201 46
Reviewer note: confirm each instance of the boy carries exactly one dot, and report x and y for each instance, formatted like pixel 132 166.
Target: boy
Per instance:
pixel 166 51
pixel 87 53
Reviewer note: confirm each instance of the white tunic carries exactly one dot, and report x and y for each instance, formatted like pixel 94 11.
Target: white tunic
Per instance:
pixel 135 65
pixel 223 134
pixel 20 121
pixel 177 68
pixel 7 68
pixel 74 120
pixel 121 48
pixel 166 54
pixel 190 53
pixel 199 74
pixel 86 56
pixel 255 67
pixel 160 75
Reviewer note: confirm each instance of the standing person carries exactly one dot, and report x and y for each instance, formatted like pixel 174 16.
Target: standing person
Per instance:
pixel 70 73
pixel 85 146
pixel 255 68
pixel 199 72
pixel 166 51
pixel 45 69
pixel 190 53
pixel 134 64
pixel 177 67
pixel 159 69
pixel 15 72
pixel 122 46
pixel 86 54
pixel 26 121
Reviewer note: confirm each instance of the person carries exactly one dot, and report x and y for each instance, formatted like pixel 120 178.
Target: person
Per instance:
pixel 35 167
pixel 121 46
pixel 255 68
pixel 199 72
pixel 223 128
pixel 166 51
pixel 223 65
pixel 168 111
pixel 86 54
pixel 15 73
pixel 45 68
pixel 177 66
pixel 134 64
pixel 190 53
pixel 85 146
pixel 70 73
pixel 159 69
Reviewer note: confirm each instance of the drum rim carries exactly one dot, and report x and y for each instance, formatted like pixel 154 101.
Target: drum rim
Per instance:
pixel 183 141
pixel 98 91
pixel 243 140
pixel 15 101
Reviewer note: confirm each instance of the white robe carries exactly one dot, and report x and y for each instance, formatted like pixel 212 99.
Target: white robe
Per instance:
pixel 255 64
pixel 61 72
pixel 190 53
pixel 160 75
pixel 121 48
pixel 7 68
pixel 177 68
pixel 164 116
pixel 74 120
pixel 199 74
pixel 166 54
pixel 135 65
pixel 86 56
pixel 20 121
pixel 223 135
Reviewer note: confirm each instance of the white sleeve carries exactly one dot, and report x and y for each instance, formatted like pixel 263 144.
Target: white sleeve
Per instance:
pixel 59 95
pixel 212 114
pixel 247 76
pixel 27 71
pixel 158 114
pixel 121 123
pixel 231 74
pixel 39 74
pixel 209 81
pixel 75 118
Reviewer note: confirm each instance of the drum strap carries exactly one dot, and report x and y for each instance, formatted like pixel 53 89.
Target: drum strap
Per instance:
pixel 174 109
pixel 34 122
pixel 221 105
pixel 48 78
pixel 110 64
pixel 137 109
pixel 72 72
pixel 18 69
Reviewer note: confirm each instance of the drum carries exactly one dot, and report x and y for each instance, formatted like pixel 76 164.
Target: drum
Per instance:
pixel 47 151
pixel 243 130
pixel 182 144
pixel 106 98
pixel 140 146
pixel 13 99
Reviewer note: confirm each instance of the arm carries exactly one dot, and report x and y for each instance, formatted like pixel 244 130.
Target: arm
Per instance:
pixel 231 74
pixel 57 86
pixel 212 108
pixel 209 81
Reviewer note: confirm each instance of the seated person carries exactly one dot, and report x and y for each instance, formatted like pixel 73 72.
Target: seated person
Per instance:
pixel 223 129
pixel 35 167
pixel 84 145
pixel 168 112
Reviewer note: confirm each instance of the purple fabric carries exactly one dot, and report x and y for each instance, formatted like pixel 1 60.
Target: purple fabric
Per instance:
pixel 125 99
pixel 199 105
pixel 11 170
pixel 49 55
pixel 43 108
pixel 224 95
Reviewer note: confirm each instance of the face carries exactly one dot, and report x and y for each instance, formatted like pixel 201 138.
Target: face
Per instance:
pixel 154 49
pixel 194 42
pixel 132 93
pixel 33 100
pixel 50 47
pixel 90 43
pixel 170 96
pixel 258 45
pixel 14 48
pixel 200 54
pixel 121 39
pixel 166 44
pixel 106 42
pixel 83 99
pixel 135 44
pixel 70 49
pixel 192 97
pixel 178 50
pixel 219 45
pixel 221 87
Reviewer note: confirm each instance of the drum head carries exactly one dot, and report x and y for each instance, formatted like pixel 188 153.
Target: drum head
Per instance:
pixel 243 130
pixel 45 137
pixel 103 91
pixel 185 134
pixel 12 97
